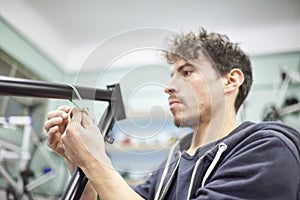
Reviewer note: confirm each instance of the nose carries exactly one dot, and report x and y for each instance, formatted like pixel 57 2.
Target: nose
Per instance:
pixel 171 88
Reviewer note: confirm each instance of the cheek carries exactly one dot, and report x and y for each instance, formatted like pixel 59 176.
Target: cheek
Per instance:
pixel 201 93
pixel 216 97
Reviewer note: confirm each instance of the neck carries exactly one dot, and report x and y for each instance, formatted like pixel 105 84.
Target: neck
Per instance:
pixel 216 128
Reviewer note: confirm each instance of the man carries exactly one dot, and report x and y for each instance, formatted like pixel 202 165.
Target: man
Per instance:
pixel 220 160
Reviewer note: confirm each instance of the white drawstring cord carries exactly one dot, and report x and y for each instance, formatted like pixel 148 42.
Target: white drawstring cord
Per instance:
pixel 221 148
pixel 193 177
pixel 166 168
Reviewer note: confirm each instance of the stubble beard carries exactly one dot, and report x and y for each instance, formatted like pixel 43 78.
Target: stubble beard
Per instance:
pixel 182 121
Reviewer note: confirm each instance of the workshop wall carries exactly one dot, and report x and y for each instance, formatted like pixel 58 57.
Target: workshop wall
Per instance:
pixel 148 132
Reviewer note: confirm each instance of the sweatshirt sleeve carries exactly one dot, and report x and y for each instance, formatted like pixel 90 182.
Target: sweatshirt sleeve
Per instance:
pixel 264 168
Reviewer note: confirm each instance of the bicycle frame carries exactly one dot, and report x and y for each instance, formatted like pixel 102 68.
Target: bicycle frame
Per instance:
pixel 10 151
pixel 279 109
pixel 115 111
pixel 289 76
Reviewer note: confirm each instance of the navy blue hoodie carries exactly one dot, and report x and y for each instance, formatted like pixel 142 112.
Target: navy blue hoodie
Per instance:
pixel 255 161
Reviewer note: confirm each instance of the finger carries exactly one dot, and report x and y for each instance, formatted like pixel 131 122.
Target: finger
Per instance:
pixel 86 120
pixel 57 113
pixel 52 122
pixel 65 108
pixel 51 134
pixel 55 144
pixel 52 131
pixel 52 138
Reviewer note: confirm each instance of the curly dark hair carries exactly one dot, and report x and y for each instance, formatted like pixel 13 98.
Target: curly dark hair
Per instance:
pixel 225 54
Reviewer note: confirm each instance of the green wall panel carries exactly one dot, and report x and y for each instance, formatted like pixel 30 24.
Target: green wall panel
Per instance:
pixel 24 52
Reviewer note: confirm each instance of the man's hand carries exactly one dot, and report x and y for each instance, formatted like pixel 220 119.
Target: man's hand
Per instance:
pixel 82 141
pixel 72 134
pixel 55 127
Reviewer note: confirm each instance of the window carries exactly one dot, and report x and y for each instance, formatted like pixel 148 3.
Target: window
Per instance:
pixel 21 106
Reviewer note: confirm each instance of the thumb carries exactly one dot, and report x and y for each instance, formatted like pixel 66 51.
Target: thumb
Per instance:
pixel 75 115
pixel 86 120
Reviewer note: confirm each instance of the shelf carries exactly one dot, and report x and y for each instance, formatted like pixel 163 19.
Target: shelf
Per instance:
pixel 135 148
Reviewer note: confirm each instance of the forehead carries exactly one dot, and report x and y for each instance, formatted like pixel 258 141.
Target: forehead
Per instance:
pixel 179 63
pixel 202 64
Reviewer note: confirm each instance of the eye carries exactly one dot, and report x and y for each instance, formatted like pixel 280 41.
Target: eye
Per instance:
pixel 187 72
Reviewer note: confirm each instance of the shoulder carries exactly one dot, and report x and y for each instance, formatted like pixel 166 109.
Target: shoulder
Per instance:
pixel 262 157
pixel 265 148
pixel 249 131
pixel 259 137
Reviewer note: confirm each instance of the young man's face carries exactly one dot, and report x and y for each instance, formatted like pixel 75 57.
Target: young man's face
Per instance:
pixel 195 91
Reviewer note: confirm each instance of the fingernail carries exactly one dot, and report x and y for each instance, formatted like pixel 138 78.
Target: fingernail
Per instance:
pixel 64 115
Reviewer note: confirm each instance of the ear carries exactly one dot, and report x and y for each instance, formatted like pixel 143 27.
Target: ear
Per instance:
pixel 233 80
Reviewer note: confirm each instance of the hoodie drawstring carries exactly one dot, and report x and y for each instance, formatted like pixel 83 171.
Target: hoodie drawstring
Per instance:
pixel 221 148
pixel 193 177
pixel 166 168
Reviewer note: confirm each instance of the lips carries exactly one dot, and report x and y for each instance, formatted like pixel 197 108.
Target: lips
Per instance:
pixel 173 103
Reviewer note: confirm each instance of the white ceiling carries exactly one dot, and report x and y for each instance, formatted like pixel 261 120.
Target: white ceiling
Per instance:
pixel 67 31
